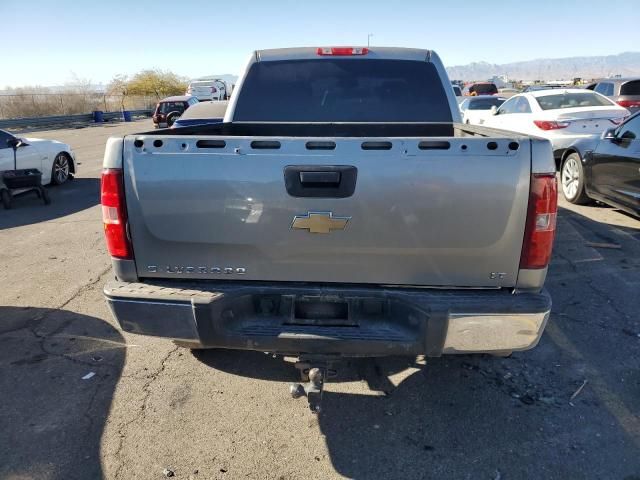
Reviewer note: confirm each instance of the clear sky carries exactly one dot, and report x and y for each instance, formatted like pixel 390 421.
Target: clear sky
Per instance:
pixel 50 42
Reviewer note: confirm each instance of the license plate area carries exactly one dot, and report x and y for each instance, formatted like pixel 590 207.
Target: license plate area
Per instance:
pixel 316 310
pixel 321 311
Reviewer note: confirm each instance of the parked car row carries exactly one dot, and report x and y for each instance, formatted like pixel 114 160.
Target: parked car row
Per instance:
pixel 169 109
pixel 559 115
pixel 595 140
pixel 623 91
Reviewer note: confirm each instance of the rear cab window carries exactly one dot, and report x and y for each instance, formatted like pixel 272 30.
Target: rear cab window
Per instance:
pixel 572 100
pixel 343 90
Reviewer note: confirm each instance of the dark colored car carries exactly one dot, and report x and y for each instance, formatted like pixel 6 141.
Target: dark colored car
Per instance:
pixel 624 91
pixel 169 110
pixel 481 88
pixel 605 168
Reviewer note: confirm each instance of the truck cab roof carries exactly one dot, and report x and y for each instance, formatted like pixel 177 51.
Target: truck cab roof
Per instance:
pixel 385 53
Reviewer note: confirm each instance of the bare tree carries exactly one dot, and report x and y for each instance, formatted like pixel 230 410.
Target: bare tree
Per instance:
pixel 119 86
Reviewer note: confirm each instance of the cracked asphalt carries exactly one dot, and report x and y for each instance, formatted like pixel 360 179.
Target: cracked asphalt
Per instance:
pixel 83 400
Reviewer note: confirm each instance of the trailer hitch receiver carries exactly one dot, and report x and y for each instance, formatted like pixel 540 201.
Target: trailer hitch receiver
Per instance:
pixel 313 375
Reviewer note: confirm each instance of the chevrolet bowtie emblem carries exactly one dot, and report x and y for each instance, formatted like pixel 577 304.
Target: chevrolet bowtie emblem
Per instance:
pixel 319 222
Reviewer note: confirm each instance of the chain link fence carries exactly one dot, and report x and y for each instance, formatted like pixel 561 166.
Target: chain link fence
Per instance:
pixel 21 105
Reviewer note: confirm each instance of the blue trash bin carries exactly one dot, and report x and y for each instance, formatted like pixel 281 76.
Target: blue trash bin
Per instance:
pixel 98 116
pixel 126 116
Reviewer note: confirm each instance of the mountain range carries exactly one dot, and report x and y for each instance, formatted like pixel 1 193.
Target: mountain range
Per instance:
pixel 625 64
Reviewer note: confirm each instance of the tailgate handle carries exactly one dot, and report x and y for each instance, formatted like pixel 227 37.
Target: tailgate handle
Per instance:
pixel 320 181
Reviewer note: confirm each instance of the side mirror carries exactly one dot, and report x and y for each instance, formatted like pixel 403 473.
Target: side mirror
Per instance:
pixel 16 143
pixel 494 110
pixel 609 134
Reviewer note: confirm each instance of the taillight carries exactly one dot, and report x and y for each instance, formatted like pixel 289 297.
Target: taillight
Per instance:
pixel 550 125
pixel 628 103
pixel 214 89
pixel 342 51
pixel 540 227
pixel 114 213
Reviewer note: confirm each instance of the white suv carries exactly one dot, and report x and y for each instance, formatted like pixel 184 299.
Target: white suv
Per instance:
pixel 207 89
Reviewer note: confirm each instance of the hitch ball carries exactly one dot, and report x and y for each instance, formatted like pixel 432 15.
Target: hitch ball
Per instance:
pixel 316 377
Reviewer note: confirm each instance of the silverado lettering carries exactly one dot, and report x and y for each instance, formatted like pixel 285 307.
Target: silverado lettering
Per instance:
pixel 202 270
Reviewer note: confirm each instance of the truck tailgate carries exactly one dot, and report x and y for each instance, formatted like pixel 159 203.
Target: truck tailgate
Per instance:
pixel 434 212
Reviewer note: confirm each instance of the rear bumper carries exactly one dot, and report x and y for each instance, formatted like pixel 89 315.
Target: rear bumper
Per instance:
pixel 370 321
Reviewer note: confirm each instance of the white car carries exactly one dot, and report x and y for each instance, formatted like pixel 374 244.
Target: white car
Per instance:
pixel 54 159
pixel 559 115
pixel 207 90
pixel 475 110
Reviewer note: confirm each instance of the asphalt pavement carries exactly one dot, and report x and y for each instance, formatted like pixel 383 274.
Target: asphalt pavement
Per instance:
pixel 81 399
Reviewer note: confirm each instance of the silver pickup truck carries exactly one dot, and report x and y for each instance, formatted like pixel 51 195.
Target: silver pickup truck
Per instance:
pixel 340 209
